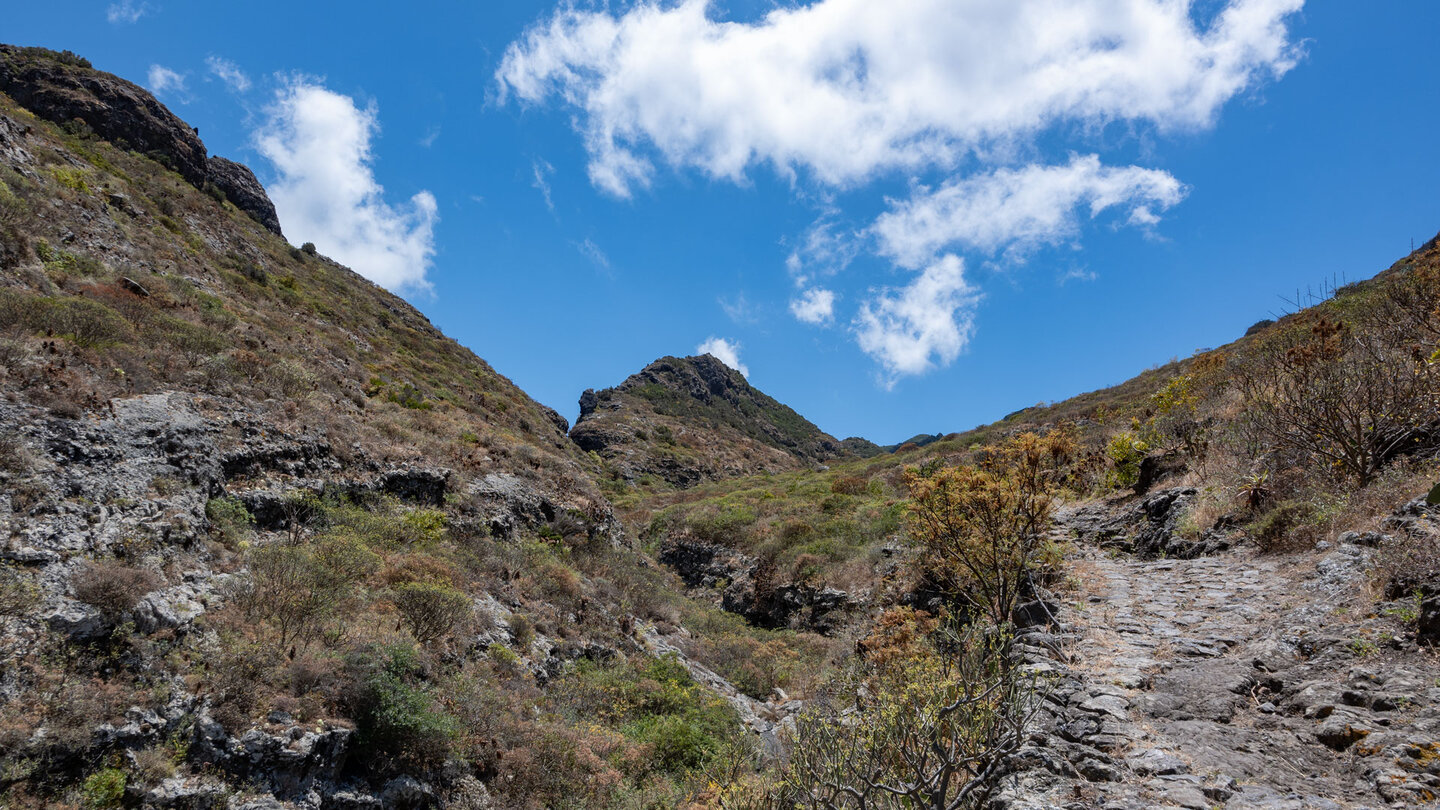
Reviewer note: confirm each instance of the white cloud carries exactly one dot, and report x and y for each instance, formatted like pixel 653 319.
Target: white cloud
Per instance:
pixel 846 88
pixel 162 80
pixel 127 11
pixel 542 170
pixel 927 323
pixel 825 249
pixel 229 73
pixel 814 306
pixel 967 100
pixel 319 142
pixel 592 251
pixel 726 351
pixel 1019 209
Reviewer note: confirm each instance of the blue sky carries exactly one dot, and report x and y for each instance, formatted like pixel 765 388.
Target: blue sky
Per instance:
pixel 902 217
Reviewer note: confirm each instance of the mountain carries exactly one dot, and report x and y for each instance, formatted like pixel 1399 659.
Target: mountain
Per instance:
pixel 269 539
pixel 692 419
pixel 267 530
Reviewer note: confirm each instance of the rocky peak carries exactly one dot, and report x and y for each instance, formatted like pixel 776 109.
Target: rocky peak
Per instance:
pixel 63 88
pixel 689 419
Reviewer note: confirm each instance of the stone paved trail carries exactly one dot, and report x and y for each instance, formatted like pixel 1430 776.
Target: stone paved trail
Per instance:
pixel 1236 681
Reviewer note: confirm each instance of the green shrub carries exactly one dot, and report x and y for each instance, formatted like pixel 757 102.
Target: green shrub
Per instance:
pixel 86 323
pixel 230 520
pixel 401 723
pixel 679 743
pixel 1125 451
pixel 65 263
pixel 103 789
pixel 73 179
pixel 18 592
pixel 521 629
pixel 653 701
pixel 1272 529
pixel 408 396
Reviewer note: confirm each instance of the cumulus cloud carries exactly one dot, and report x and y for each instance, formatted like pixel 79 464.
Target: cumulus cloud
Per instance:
pixel 963 99
pixel 814 306
pixel 229 73
pixel 126 12
pixel 928 323
pixel 845 88
pixel 1020 209
pixel 726 351
pixel 162 80
pixel 320 144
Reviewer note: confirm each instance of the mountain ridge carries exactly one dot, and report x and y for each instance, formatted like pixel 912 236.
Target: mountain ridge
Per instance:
pixel 692 419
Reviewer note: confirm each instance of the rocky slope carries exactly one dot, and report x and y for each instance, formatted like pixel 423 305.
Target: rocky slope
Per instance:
pixel 270 539
pixel 687 420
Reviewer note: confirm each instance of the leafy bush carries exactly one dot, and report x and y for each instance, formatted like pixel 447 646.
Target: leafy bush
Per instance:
pixel 981 529
pixel 654 702
pixel 18 592
pixel 1272 529
pixel 229 519
pixel 73 179
pixel 402 725
pixel 1125 452
pixel 88 324
pixel 927 728
pixel 103 789
pixel 295 590
pixel 1347 396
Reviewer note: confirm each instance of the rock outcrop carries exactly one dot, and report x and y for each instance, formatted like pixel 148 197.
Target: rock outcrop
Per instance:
pixel 240 187
pixel 76 96
pixel 1149 527
pixel 116 110
pixel 745 589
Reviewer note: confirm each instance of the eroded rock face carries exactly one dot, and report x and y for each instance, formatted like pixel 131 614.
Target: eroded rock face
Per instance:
pixel 129 116
pixel 1148 527
pixel 241 188
pixel 113 108
pixel 793 605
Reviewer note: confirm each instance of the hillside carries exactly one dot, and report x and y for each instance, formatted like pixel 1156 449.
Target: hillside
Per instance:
pixel 271 540
pixel 681 421
pixel 270 534
pixel 1248 565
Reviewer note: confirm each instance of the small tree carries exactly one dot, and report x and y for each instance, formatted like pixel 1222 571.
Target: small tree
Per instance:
pixel 926 729
pixel 301 507
pixel 296 589
pixel 981 529
pixel 429 609
pixel 1327 391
